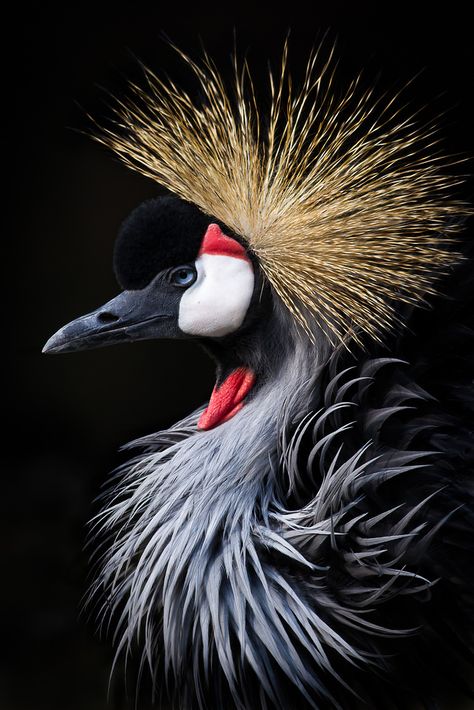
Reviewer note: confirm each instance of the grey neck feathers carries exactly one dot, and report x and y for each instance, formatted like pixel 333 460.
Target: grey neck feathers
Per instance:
pixel 192 515
pixel 229 586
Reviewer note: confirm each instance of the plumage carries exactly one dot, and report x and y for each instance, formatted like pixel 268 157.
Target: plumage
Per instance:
pixel 312 546
pixel 343 198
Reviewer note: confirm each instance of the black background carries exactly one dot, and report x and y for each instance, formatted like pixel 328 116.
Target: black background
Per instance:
pixel 66 416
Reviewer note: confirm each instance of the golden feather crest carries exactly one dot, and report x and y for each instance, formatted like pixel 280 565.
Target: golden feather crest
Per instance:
pixel 345 203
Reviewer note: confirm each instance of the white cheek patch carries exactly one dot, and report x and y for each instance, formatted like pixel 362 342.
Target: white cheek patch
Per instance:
pixel 217 302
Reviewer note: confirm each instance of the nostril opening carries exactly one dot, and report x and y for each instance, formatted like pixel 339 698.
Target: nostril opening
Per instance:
pixel 107 317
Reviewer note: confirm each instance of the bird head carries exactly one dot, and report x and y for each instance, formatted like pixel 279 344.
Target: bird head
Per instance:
pixel 331 212
pixel 183 274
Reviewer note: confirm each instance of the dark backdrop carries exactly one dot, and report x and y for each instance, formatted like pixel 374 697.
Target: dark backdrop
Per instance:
pixel 66 416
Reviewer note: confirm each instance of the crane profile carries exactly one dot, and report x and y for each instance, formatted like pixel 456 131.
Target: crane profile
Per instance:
pixel 305 538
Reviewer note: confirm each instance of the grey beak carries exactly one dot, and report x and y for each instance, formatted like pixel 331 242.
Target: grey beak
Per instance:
pixel 126 318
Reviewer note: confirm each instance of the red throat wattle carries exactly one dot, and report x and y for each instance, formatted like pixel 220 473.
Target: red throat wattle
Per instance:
pixel 227 399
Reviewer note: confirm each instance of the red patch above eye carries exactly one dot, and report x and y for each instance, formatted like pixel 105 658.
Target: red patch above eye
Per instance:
pixel 216 242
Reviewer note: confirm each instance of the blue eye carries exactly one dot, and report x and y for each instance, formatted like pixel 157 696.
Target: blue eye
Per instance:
pixel 183 276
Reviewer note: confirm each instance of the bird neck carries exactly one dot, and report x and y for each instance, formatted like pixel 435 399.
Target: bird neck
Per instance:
pixel 243 364
pixel 260 345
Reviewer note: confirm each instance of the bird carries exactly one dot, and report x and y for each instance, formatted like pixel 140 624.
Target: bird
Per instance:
pixel 304 538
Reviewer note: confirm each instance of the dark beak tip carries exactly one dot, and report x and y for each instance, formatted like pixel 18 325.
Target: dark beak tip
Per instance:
pixel 51 346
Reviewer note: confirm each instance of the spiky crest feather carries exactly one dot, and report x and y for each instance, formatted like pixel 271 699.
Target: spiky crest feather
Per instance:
pixel 344 201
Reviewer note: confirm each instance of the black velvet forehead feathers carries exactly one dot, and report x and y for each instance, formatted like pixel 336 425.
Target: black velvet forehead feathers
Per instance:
pixel 158 234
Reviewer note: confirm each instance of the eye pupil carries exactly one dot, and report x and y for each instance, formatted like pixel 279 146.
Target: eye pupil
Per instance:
pixel 183 276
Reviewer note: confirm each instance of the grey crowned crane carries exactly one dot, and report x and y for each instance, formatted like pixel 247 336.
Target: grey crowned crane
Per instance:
pixel 305 539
